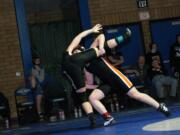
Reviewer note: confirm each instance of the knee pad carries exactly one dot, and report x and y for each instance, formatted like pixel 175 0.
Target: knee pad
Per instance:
pixel 82 97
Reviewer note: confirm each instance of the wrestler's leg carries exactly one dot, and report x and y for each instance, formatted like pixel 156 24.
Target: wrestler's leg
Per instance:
pixel 95 98
pixel 134 93
pixel 82 96
pixel 112 43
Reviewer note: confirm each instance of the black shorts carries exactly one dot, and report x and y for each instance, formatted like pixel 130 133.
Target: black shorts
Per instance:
pixel 109 75
pixel 74 66
pixel 106 89
pixel 107 49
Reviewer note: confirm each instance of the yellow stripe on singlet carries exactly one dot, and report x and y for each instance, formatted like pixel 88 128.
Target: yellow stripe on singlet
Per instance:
pixel 119 74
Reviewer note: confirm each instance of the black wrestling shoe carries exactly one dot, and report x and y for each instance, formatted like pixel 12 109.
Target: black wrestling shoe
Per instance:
pixel 92 120
pixel 127 34
pixel 109 121
pixel 163 109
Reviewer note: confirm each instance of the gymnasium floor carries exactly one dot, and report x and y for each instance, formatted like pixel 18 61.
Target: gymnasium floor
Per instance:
pixel 140 122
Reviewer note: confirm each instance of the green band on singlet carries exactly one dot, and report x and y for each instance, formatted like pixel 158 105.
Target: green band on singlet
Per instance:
pixel 119 39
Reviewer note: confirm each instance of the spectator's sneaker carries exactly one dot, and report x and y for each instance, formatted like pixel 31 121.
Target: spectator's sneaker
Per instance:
pixel 92 120
pixel 163 109
pixel 109 121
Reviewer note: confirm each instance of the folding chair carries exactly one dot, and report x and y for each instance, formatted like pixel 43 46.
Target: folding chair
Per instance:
pixel 25 105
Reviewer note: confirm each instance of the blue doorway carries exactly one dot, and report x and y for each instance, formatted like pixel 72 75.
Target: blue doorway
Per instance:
pixel 132 49
pixel 164 35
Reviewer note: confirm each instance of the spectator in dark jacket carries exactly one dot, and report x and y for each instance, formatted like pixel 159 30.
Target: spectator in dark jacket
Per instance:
pixel 158 74
pixel 175 56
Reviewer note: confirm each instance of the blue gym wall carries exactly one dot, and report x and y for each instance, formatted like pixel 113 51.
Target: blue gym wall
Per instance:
pixel 134 47
pixel 164 35
pixel 131 49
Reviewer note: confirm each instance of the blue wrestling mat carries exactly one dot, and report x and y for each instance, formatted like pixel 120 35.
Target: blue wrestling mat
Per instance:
pixel 140 122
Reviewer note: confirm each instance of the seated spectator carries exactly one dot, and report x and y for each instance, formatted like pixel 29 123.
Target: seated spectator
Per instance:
pixel 38 83
pixel 175 57
pixel 4 109
pixel 158 74
pixel 140 72
pixel 116 58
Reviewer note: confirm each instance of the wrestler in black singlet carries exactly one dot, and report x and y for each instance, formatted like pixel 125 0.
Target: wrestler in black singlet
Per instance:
pixel 109 74
pixel 74 65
